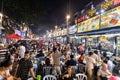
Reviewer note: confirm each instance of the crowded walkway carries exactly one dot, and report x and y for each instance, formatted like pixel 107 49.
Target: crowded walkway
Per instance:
pixel 37 60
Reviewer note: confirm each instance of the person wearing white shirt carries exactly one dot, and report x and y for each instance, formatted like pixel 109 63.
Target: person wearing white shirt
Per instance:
pixel 90 63
pixel 95 56
pixel 110 64
pixel 21 51
pixel 103 72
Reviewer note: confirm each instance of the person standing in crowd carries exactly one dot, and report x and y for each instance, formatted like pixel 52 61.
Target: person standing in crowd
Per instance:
pixel 24 67
pixel 95 56
pixel 90 63
pixel 21 50
pixel 80 49
pixel 81 58
pixel 56 61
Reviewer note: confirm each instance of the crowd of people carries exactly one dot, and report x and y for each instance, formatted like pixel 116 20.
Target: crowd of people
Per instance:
pixel 22 60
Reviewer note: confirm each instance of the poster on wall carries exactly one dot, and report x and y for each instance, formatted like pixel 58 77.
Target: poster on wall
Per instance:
pixel 111 18
pixel 90 24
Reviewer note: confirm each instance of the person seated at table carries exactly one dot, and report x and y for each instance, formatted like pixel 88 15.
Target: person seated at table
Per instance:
pixel 71 62
pixel 81 58
pixel 48 66
pixel 47 62
pixel 110 64
pixel 68 74
pixel 5 63
pixel 103 73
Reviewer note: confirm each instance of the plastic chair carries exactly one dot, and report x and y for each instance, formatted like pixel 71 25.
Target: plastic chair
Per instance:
pixel 81 76
pixel 75 68
pixel 81 68
pixel 49 77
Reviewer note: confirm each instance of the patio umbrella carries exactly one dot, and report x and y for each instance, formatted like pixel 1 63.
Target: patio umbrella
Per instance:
pixel 13 36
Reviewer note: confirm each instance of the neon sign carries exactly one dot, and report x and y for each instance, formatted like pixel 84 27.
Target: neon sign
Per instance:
pixel 92 12
pixel 107 4
pixel 82 18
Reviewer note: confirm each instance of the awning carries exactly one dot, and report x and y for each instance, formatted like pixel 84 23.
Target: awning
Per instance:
pixel 103 31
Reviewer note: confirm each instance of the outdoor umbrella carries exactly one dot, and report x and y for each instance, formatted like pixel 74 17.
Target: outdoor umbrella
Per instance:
pixel 13 36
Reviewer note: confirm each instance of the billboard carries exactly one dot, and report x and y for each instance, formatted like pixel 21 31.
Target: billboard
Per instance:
pixel 90 24
pixel 111 18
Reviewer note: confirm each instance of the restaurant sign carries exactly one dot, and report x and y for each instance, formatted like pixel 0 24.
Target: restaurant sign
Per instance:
pixel 89 25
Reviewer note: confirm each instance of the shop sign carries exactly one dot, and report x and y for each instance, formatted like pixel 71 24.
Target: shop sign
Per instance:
pixel 82 18
pixel 105 5
pixel 90 24
pixel 64 32
pixel 18 32
pixel 92 12
pixel 111 18
pixel 103 38
pixel 72 29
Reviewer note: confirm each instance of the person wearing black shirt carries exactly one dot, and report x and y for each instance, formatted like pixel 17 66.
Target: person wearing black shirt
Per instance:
pixel 71 62
pixel 24 67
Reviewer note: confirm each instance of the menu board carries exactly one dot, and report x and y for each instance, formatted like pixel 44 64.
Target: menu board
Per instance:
pixel 111 18
pixel 90 24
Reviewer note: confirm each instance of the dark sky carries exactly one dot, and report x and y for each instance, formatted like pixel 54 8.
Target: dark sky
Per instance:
pixel 44 14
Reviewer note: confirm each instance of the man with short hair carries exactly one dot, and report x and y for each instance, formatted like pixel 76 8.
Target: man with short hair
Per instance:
pixel 56 60
pixel 24 67
pixel 71 62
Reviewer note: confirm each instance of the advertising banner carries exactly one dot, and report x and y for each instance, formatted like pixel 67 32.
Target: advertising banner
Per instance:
pixel 111 18
pixel 90 24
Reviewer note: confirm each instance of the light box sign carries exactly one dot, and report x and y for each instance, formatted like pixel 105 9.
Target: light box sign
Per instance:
pixel 72 29
pixel 90 24
pixel 64 32
pixel 111 18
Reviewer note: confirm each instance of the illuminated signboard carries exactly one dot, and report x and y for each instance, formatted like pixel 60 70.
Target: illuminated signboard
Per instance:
pixel 92 12
pixel 116 2
pixel 90 24
pixel 111 18
pixel 105 5
pixel 64 32
pixel 82 18
pixel 72 29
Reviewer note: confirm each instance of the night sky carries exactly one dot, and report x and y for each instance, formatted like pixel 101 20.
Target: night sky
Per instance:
pixel 44 14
